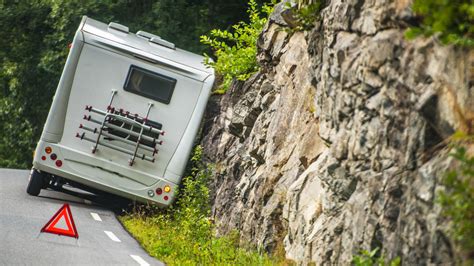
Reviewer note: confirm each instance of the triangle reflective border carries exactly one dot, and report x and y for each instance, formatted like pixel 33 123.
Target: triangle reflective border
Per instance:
pixel 63 212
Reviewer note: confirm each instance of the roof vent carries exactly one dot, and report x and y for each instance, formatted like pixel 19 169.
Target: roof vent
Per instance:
pixel 146 35
pixel 119 27
pixel 162 42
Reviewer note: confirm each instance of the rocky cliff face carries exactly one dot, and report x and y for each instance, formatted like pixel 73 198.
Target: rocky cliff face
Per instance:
pixel 339 143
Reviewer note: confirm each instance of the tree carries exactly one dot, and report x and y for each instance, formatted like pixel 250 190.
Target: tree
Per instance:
pixel 34 36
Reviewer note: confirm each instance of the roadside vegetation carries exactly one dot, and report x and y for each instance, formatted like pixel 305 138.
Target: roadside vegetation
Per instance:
pixel 302 14
pixel 236 49
pixel 185 233
pixel 451 21
pixel 457 200
pixel 373 258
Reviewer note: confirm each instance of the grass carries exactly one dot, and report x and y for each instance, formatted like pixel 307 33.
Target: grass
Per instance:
pixel 165 240
pixel 184 234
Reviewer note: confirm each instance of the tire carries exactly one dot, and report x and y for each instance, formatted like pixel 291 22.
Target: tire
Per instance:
pixel 36 183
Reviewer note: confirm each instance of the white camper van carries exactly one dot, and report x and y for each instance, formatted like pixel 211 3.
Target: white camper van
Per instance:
pixel 124 117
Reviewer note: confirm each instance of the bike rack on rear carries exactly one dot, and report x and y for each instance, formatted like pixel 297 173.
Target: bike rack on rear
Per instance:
pixel 140 134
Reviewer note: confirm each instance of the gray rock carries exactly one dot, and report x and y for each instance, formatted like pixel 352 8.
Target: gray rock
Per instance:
pixel 337 144
pixel 277 16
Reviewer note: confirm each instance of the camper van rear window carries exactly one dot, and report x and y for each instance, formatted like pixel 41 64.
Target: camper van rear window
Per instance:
pixel 151 85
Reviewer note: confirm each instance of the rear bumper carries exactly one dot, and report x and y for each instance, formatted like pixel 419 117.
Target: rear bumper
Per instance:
pixel 74 169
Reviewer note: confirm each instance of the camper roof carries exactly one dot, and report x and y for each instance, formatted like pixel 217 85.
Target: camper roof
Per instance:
pixel 145 42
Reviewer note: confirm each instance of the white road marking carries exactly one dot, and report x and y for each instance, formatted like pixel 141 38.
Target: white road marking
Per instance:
pixel 140 261
pixel 96 216
pixel 112 236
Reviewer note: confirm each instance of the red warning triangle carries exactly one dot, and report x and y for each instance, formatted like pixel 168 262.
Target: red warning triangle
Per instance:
pixel 63 213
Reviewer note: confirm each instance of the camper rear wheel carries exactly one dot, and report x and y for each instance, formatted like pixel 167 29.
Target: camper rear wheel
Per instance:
pixel 36 182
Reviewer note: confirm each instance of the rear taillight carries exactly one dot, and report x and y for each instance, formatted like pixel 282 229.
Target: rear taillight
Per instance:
pixel 48 150
pixel 159 191
pixel 59 163
pixel 53 156
pixel 167 189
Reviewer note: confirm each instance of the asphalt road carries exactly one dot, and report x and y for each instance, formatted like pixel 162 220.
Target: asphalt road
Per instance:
pixel 102 239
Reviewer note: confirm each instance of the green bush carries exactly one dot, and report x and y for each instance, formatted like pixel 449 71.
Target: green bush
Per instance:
pixel 236 51
pixel 184 234
pixel 452 21
pixel 458 199
pixel 305 13
pixel 370 258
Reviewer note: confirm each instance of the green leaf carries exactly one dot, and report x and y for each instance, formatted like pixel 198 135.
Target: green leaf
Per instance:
pixel 451 21
pixel 236 51
pixel 412 33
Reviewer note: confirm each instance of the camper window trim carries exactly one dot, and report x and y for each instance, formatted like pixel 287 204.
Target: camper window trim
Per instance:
pixel 169 80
